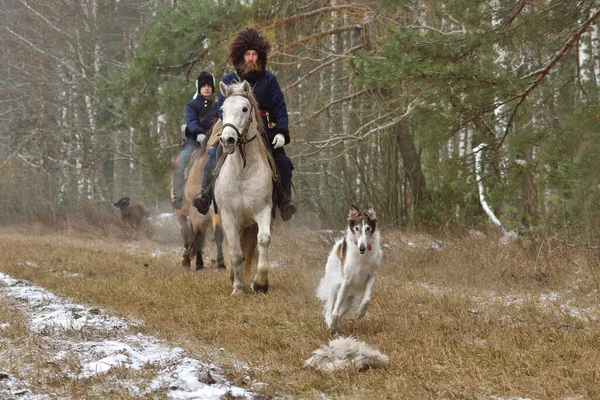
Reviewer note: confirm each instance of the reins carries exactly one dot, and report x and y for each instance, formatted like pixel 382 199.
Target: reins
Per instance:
pixel 242 141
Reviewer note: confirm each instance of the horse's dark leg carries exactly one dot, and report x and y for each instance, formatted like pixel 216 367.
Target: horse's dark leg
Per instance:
pixel 199 243
pixel 186 235
pixel 186 260
pixel 219 243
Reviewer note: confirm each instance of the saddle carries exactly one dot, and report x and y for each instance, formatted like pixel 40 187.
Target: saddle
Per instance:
pixel 199 152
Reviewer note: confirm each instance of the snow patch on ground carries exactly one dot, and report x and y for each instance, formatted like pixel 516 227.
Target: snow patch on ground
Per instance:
pixel 48 311
pixel 174 372
pixel 551 301
pixel 9 385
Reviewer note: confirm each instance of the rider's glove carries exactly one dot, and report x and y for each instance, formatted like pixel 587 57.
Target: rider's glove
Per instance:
pixel 200 138
pixel 278 141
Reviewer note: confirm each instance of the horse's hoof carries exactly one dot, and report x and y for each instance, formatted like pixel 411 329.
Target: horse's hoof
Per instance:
pixel 221 266
pixel 237 292
pixel 186 263
pixel 260 288
pixel 199 267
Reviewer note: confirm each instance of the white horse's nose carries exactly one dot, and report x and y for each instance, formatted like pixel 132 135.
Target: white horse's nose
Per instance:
pixel 227 142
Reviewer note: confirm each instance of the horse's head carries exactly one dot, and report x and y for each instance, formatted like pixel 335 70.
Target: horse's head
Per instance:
pixel 238 109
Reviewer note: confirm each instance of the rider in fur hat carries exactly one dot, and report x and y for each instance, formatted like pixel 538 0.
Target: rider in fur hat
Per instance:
pixel 248 54
pixel 200 115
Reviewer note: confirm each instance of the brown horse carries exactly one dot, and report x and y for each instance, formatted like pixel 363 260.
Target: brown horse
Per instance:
pixel 192 224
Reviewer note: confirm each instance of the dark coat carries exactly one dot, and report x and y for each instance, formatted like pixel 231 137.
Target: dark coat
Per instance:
pixel 269 97
pixel 200 116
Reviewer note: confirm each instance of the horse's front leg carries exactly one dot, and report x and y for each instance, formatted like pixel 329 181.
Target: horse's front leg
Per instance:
pixel 261 279
pixel 236 256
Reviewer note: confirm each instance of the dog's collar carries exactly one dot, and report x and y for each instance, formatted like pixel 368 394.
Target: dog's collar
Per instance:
pixel 369 248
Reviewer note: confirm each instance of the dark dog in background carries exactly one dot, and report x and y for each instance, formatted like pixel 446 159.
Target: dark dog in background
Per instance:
pixel 132 213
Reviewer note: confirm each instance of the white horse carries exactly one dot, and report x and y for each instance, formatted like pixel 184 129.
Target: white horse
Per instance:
pixel 244 186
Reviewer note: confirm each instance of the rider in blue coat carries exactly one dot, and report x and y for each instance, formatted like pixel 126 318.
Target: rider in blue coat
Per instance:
pixel 248 53
pixel 200 116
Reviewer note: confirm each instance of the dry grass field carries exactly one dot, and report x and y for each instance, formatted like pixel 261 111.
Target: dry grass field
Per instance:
pixel 459 317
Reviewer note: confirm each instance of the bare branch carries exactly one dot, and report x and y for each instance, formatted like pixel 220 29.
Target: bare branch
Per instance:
pixel 553 6
pixel 74 71
pixel 357 136
pixel 431 28
pixel 546 70
pixel 8 159
pixel 61 162
pixel 189 63
pixel 11 110
pixel 45 20
pixel 320 67
pixel 310 14
pixel 26 161
pixel 514 15
pixel 320 35
pixel 334 102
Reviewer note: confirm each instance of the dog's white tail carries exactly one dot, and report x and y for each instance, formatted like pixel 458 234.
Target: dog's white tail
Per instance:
pixel 346 352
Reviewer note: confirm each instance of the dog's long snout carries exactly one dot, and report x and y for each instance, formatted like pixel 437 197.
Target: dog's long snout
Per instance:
pixel 362 248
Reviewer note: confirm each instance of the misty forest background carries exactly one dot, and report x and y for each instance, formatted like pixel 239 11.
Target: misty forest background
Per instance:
pixel 387 100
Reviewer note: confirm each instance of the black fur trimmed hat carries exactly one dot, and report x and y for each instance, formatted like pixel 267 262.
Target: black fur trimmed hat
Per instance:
pixel 205 78
pixel 249 39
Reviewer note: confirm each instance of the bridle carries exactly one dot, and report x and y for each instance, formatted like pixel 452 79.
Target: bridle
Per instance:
pixel 242 137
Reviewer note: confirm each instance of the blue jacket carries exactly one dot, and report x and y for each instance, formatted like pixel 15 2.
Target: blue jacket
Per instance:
pixel 200 115
pixel 269 97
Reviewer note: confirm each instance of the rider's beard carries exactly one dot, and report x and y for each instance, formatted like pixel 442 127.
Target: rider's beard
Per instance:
pixel 249 67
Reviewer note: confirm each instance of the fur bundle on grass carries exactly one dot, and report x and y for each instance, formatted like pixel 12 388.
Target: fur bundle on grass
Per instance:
pixel 346 352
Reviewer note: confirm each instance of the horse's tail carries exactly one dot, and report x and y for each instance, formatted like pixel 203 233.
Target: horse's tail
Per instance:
pixel 249 249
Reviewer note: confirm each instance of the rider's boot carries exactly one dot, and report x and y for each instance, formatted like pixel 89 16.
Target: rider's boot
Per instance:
pixel 203 199
pixel 287 207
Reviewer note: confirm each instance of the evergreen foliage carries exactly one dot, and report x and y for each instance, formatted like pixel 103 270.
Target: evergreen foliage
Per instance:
pixel 387 99
pixel 468 80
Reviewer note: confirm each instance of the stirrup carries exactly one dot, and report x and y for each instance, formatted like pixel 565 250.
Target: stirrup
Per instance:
pixel 287 210
pixel 202 203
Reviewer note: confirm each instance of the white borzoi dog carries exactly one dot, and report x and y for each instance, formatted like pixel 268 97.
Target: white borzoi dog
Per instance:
pixel 351 269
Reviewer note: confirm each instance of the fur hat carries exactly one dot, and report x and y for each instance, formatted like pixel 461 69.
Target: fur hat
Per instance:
pixel 205 78
pixel 249 39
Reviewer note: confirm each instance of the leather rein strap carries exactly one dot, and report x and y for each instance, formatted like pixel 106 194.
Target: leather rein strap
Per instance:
pixel 242 140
